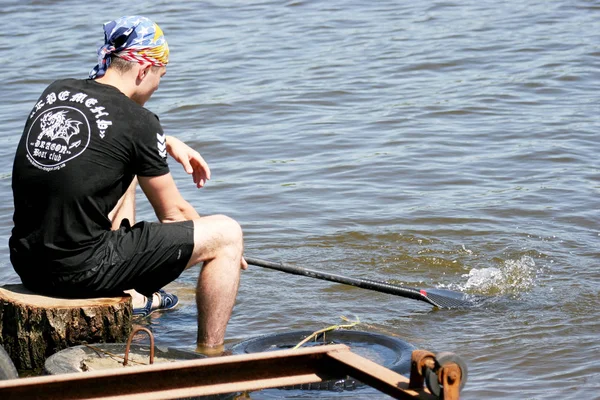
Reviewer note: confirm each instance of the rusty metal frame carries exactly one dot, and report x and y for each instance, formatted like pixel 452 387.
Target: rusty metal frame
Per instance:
pixel 449 376
pixel 218 375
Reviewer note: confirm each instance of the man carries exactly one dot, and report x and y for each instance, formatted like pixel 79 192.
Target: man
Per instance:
pixel 84 146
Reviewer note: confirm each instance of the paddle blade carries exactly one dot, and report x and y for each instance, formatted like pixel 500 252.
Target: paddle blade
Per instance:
pixel 443 298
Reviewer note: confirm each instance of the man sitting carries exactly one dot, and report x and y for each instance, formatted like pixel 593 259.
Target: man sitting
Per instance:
pixel 85 145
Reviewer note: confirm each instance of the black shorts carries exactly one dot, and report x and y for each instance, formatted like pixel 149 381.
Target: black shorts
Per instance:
pixel 144 257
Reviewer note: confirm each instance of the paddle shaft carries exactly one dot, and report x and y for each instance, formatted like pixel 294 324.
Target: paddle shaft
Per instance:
pixel 383 287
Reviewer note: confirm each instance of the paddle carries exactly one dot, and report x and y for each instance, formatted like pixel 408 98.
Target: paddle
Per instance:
pixel 441 298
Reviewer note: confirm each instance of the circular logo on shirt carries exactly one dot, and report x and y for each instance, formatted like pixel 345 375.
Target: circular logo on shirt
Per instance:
pixel 57 136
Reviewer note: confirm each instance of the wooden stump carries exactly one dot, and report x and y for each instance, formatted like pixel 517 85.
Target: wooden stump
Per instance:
pixel 33 327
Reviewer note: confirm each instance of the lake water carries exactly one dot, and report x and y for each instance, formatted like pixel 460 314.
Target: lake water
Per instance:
pixel 447 144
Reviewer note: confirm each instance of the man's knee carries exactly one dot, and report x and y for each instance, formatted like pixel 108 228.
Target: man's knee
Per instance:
pixel 216 234
pixel 229 229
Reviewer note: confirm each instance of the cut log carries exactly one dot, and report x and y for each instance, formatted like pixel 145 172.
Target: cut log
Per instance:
pixel 33 327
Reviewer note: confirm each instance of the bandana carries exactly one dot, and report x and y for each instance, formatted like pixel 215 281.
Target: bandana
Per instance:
pixel 132 38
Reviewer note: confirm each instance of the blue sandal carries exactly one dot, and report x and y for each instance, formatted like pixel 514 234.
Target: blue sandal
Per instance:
pixel 168 301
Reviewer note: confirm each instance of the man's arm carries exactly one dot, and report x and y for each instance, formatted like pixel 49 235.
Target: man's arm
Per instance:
pixel 167 202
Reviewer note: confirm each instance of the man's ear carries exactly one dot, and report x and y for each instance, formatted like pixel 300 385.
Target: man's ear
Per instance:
pixel 144 70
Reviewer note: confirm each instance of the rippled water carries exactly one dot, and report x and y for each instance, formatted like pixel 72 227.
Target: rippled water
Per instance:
pixel 432 144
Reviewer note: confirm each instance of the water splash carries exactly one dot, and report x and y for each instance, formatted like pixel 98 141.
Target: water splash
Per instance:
pixel 513 278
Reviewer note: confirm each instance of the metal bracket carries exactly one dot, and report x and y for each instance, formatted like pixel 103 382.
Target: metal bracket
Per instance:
pixel 445 374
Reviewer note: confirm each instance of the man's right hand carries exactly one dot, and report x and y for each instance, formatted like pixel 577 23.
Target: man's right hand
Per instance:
pixel 190 159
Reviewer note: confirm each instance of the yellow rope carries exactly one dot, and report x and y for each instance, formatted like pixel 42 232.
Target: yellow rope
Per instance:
pixel 328 329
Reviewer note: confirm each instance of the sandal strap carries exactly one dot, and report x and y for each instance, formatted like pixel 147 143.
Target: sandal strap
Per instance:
pixel 146 310
pixel 167 300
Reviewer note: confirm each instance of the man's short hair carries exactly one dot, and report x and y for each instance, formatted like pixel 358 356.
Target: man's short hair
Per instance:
pixel 122 66
pixel 119 64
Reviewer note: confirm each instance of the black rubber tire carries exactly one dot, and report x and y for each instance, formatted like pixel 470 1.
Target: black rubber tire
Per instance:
pixel 395 352
pixel 7 368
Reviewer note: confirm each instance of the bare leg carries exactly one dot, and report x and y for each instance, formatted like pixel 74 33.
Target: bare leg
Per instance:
pixel 219 244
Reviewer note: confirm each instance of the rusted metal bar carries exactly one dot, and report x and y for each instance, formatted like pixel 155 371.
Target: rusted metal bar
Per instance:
pixel 377 376
pixel 180 379
pixel 211 376
pixel 128 346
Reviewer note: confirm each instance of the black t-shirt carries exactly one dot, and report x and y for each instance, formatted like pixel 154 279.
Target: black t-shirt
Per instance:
pixel 82 145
